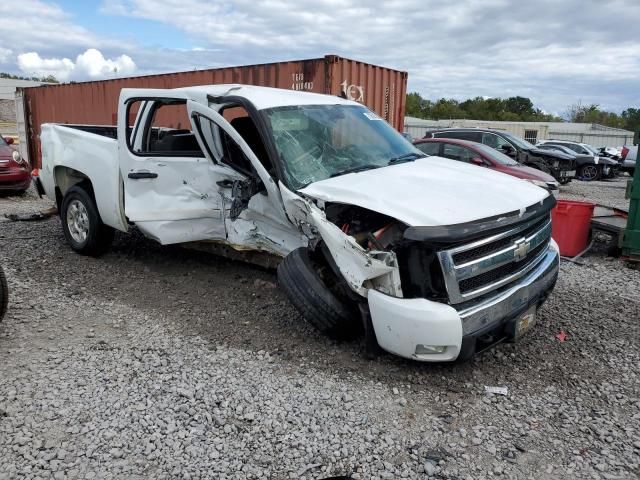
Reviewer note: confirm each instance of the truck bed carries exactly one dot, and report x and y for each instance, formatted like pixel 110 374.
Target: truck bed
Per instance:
pixel 71 152
pixel 108 131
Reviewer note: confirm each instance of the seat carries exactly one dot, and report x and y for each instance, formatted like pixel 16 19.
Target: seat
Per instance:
pixel 249 132
pixel 181 142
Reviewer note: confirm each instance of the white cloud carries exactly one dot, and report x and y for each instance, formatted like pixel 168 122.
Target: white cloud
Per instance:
pixel 553 52
pixel 493 48
pixel 88 65
pixel 33 65
pixel 93 64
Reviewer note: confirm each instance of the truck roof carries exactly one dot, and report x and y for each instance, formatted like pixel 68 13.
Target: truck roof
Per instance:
pixel 261 97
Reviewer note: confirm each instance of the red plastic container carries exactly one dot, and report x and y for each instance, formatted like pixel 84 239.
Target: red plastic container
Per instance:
pixel 571 223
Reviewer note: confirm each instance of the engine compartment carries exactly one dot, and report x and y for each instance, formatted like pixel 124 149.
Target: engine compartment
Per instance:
pixel 371 230
pixel 419 268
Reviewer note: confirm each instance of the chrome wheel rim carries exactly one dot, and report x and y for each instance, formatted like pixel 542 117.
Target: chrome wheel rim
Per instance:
pixel 590 172
pixel 78 221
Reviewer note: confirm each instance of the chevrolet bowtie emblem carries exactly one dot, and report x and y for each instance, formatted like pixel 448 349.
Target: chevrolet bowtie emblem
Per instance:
pixel 522 249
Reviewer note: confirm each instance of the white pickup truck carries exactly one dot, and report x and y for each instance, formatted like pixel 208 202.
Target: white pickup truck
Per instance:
pixel 433 259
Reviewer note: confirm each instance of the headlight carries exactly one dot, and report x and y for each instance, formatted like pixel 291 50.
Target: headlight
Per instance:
pixel 16 157
pixel 539 183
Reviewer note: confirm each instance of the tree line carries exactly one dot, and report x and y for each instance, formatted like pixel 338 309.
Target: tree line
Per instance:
pixel 47 79
pixel 516 109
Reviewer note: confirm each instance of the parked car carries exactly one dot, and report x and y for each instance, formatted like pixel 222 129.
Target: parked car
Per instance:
pixel 610 152
pixel 4 294
pixel 484 156
pixel 370 234
pixel 15 172
pixel 578 147
pixel 588 167
pixel 629 157
pixel 562 167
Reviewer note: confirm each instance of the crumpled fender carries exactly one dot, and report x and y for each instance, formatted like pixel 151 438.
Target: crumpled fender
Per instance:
pixel 361 269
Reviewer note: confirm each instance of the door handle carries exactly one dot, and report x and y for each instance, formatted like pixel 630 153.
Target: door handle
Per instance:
pixel 139 175
pixel 225 183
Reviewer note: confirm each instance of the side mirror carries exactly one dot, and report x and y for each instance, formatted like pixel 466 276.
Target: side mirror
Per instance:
pixel 478 161
pixel 508 150
pixel 9 140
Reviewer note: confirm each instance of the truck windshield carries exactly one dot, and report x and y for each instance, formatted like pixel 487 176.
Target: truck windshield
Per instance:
pixel 317 142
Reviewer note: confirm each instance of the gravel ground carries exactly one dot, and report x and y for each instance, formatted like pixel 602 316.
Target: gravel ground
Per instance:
pixel 609 193
pixel 157 362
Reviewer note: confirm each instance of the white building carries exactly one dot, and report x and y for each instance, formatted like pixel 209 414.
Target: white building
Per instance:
pixel 12 121
pixel 591 133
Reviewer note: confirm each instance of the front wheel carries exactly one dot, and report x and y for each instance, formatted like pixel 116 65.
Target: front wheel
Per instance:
pixel 589 172
pixel 81 223
pixel 308 284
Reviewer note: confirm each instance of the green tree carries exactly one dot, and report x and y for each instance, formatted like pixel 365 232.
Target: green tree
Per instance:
pixel 631 119
pixel 445 109
pixel 48 78
pixel 521 106
pixel 593 114
pixel 417 106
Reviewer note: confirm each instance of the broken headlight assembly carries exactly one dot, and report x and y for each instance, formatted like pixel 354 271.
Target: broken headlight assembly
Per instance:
pixel 383 238
pixel 420 271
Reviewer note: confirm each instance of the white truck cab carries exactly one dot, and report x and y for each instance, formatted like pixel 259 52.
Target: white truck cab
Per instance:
pixel 434 259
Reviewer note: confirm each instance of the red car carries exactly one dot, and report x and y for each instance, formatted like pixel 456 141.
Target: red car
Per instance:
pixel 15 172
pixel 484 156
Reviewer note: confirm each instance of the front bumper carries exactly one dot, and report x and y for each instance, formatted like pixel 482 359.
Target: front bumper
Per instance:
pixel 566 174
pixel 403 325
pixel 14 178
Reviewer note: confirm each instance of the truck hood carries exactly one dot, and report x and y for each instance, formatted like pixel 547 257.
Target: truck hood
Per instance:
pixel 430 191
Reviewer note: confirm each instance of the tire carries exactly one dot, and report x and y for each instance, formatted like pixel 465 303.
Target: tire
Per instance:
pixel 309 293
pixel 589 172
pixel 4 294
pixel 565 180
pixel 82 225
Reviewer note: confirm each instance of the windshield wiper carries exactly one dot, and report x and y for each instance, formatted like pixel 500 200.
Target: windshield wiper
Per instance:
pixel 359 168
pixel 406 157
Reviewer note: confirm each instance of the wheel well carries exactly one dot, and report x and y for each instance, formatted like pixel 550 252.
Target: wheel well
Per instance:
pixel 65 178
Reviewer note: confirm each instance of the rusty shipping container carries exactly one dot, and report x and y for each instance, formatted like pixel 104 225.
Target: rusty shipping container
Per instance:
pixel 381 89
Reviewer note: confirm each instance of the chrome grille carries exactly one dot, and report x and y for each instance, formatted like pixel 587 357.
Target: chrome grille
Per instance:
pixel 485 265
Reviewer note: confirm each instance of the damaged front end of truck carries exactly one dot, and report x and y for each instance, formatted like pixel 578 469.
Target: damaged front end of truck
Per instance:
pixel 430 293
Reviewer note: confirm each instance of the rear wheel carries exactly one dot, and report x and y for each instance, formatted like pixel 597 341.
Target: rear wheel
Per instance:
pixel 4 294
pixel 310 286
pixel 589 172
pixel 81 223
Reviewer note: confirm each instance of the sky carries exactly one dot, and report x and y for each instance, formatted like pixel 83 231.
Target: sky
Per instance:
pixel 558 53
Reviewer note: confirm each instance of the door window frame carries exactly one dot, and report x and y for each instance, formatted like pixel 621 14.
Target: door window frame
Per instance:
pixel 501 138
pixel 145 115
